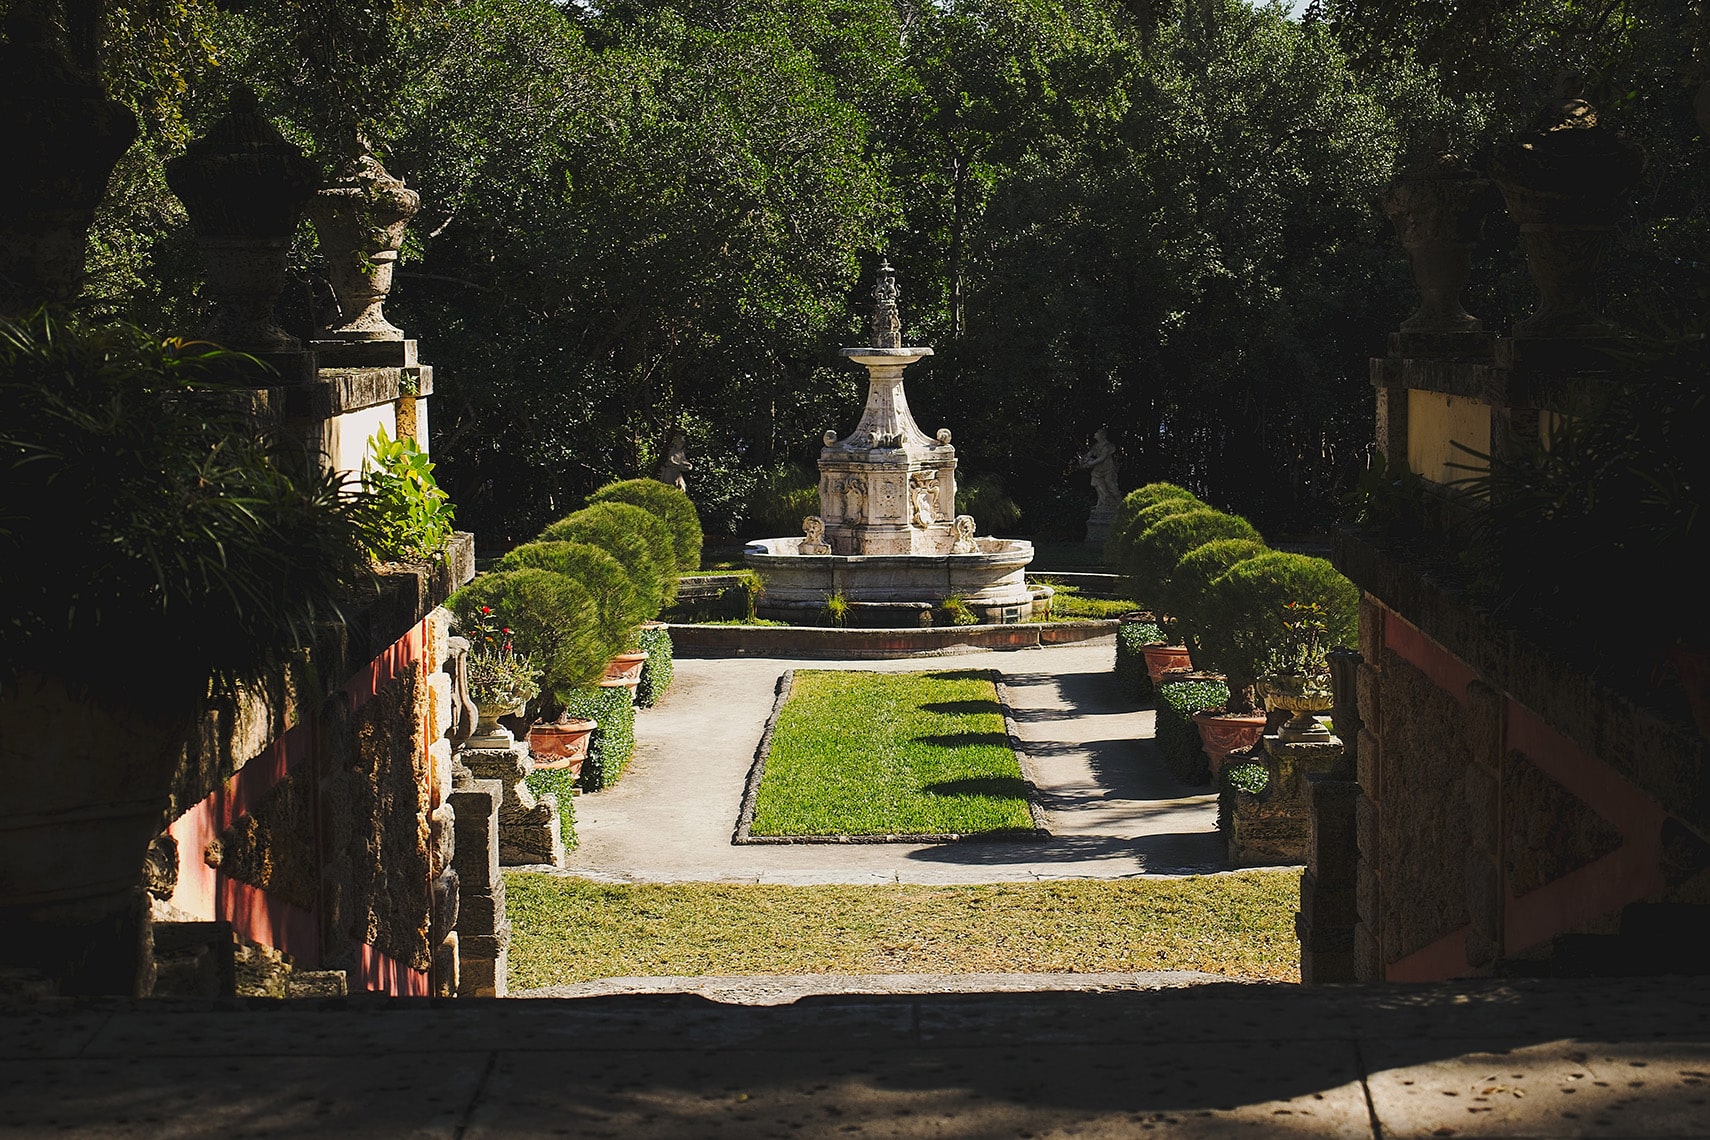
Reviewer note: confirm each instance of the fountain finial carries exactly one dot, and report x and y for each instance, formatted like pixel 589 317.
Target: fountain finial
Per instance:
pixel 887 324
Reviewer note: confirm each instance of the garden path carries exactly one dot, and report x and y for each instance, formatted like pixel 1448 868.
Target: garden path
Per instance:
pixel 1114 810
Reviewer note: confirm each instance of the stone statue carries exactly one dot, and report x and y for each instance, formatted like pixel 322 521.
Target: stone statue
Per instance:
pixel 1100 459
pixel 922 489
pixel 965 543
pixel 676 463
pixel 813 540
pixel 887 324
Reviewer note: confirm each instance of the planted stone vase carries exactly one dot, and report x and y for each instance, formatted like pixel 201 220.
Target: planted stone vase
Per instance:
pixel 1304 697
pixel 1222 734
pixel 624 671
pixel 1162 659
pixel 244 187
pixel 86 792
pixel 360 219
pixel 1566 182
pixel 63 137
pixel 489 733
pixel 563 744
pixel 1438 206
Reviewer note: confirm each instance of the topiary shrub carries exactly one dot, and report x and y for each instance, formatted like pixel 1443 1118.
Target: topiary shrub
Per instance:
pixel 661 665
pixel 1244 613
pixel 1176 733
pixel 1132 504
pixel 669 505
pixel 613 742
pixel 561 786
pixel 1153 555
pixel 647 555
pixel 1191 580
pixel 615 596
pixel 553 619
pixel 1131 676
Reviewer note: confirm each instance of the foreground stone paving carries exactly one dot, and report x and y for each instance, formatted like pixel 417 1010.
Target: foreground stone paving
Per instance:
pixel 1114 811
pixel 1556 1059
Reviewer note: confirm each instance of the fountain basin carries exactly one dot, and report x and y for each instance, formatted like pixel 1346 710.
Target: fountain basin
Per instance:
pixel 891 589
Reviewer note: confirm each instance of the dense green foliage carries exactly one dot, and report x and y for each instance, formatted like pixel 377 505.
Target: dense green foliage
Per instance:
pixel 558 783
pixel 606 529
pixel 661 665
pixel 1190 581
pixel 412 513
pixel 155 536
pixel 1151 557
pixel 616 600
pixel 1131 676
pixel 553 619
pixel 668 504
pixel 863 753
pixel 613 742
pixel 1244 615
pixel 1176 733
pixel 1133 503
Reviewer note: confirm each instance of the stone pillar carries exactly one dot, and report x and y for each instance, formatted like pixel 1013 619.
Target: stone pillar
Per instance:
pixel 528 825
pixel 63 136
pixel 1566 182
pixel 483 934
pixel 1328 909
pixel 1368 888
pixel 244 186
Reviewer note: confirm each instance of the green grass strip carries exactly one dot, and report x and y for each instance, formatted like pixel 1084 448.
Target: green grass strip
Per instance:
pixel 568 930
pixel 859 753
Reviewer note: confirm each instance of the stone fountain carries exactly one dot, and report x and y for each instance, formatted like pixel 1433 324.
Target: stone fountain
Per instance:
pixel 887 538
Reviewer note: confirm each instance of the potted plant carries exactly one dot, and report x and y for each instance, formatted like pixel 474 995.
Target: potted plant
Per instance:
pixel 1297 679
pixel 1152 558
pixel 501 680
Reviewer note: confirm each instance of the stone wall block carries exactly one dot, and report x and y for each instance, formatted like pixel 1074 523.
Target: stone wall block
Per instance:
pixel 482 977
pixel 1371 632
pixel 1483 807
pixel 1368 963
pixel 439 705
pixel 1333 838
pixel 1484 894
pixel 1369 759
pixel 1367 691
pixel 1366 825
pixel 440 766
pixel 1485 707
pixel 476 856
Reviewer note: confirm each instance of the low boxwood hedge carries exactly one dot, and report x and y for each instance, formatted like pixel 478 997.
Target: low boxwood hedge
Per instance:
pixel 562 786
pixel 613 742
pixel 1131 675
pixel 656 674
pixel 1176 733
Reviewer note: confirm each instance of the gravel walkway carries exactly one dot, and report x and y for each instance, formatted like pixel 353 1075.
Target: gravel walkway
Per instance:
pixel 1114 810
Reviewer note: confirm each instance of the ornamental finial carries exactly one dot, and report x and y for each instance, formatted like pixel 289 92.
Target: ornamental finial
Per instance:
pixel 887 325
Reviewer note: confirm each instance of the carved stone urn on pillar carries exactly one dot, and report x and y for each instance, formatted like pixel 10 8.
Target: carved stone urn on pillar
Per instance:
pixel 244 187
pixel 1438 205
pixel 63 137
pixel 1566 182
pixel 360 219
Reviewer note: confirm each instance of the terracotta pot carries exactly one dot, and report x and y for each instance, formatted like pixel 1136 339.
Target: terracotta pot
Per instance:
pixel 1161 659
pixel 1221 734
pixel 561 745
pixel 624 671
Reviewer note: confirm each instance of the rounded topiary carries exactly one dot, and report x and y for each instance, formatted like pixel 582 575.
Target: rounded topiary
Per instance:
pixel 635 538
pixel 1154 552
pixel 619 603
pixel 1242 621
pixel 552 618
pixel 1196 570
pixel 1132 504
pixel 667 503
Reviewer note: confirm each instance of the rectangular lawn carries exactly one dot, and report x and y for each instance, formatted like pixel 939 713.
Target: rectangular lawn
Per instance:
pixel 857 753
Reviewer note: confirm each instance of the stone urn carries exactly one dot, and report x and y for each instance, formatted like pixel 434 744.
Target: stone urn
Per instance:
pixel 1162 659
pixel 1302 696
pixel 1222 734
pixel 489 733
pixel 244 186
pixel 63 137
pixel 562 744
pixel 1438 205
pixel 360 219
pixel 624 671
pixel 1566 182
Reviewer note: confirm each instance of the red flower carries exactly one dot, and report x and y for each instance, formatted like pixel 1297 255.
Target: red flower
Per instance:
pixel 486 609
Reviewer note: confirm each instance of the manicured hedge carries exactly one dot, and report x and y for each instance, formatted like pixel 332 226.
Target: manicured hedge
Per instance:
pixel 613 742
pixel 558 783
pixel 1153 554
pixel 1190 581
pixel 646 552
pixel 1131 675
pixel 620 605
pixel 1132 504
pixel 553 619
pixel 667 503
pixel 1177 735
pixel 661 665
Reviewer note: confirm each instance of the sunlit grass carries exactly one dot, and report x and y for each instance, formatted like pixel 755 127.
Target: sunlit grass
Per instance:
pixel 858 753
pixel 572 930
